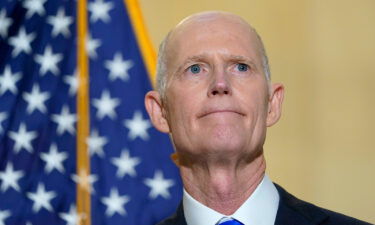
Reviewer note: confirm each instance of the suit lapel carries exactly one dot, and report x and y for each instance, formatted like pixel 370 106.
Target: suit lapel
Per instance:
pixel 177 219
pixel 180 218
pixel 293 211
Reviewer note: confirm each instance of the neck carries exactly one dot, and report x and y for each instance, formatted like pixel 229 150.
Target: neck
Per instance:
pixel 223 187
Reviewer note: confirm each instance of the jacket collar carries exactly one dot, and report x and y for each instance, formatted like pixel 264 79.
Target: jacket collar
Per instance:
pixel 294 211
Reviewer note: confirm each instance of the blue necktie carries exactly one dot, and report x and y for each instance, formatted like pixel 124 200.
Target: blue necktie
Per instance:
pixel 229 221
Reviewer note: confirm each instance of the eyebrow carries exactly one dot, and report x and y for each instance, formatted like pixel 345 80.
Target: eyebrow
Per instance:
pixel 191 59
pixel 242 59
pixel 204 56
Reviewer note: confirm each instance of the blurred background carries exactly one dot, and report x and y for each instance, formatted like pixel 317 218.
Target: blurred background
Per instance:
pixel 324 53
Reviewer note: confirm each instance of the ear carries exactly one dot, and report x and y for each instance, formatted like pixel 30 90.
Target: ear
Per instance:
pixel 274 104
pixel 155 110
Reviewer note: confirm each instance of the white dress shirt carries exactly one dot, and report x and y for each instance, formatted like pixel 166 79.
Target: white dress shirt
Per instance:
pixel 259 209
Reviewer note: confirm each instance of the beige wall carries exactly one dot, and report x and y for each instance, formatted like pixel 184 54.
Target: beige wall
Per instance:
pixel 323 51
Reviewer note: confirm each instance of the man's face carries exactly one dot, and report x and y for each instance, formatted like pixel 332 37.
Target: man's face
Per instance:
pixel 217 96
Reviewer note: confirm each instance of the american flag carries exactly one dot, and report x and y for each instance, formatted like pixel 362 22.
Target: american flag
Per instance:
pixel 132 180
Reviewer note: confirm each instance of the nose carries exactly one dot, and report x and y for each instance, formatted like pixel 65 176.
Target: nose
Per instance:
pixel 220 85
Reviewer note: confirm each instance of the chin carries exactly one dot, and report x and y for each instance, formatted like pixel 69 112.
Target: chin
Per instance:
pixel 227 146
pixel 226 133
pixel 225 142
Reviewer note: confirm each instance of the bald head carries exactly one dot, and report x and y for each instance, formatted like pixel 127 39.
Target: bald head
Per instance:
pixel 210 22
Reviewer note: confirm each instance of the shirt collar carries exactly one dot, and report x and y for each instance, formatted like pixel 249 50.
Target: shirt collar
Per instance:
pixel 260 208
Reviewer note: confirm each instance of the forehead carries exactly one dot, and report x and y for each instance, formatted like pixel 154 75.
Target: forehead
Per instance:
pixel 211 33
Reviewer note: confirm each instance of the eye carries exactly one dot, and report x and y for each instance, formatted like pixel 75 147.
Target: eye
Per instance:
pixel 195 68
pixel 242 67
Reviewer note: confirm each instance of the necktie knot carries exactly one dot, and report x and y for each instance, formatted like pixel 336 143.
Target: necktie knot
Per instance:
pixel 229 221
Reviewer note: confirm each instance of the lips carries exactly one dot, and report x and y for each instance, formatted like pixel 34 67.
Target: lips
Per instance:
pixel 210 111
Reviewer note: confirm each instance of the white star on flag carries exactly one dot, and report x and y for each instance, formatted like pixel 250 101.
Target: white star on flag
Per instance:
pixel 9 178
pixel 5 23
pixel 36 99
pixel 65 121
pixel 54 159
pixel 125 164
pixel 72 81
pixel 4 215
pixel 41 198
pixel 115 203
pixel 96 143
pixel 72 217
pixel 118 68
pixel 21 42
pixel 159 185
pixel 100 11
pixel 106 105
pixel 34 6
pixel 85 180
pixel 22 139
pixel 60 23
pixel 137 126
pixel 91 46
pixel 8 81
pixel 48 61
pixel 3 116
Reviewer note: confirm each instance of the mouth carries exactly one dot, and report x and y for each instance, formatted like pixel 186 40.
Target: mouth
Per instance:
pixel 219 111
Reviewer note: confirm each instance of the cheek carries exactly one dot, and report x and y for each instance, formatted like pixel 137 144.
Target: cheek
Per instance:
pixel 255 103
pixel 181 113
pixel 261 120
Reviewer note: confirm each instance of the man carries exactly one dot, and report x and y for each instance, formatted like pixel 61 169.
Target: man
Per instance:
pixel 216 100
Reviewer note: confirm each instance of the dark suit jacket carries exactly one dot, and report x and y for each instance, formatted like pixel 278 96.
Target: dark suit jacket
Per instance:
pixel 292 211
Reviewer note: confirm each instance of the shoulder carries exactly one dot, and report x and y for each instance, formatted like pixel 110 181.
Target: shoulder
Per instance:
pixel 295 211
pixel 176 219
